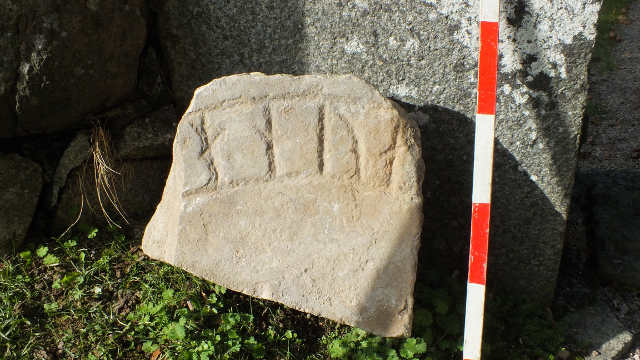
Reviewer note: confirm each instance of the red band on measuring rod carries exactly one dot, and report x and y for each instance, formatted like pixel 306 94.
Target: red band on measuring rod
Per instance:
pixel 479 243
pixel 488 68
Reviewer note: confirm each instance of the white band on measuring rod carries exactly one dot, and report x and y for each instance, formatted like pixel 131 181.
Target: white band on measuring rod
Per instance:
pixel 473 321
pixel 490 10
pixel 483 159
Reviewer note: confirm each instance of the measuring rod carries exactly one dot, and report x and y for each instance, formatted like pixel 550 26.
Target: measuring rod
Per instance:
pixel 482 170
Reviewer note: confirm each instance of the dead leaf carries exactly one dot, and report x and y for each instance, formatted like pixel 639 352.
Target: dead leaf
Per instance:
pixel 623 19
pixel 594 120
pixel 616 124
pixel 615 37
pixel 549 314
pixel 635 154
pixel 563 354
pixel 190 305
pixel 155 355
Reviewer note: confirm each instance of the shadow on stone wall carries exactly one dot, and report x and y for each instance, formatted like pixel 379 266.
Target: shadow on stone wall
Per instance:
pixel 264 36
pixel 520 210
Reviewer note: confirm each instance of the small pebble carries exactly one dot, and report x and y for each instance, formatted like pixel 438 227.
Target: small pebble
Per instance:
pixel 624 309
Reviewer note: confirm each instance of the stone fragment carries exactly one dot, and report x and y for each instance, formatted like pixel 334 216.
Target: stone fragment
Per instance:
pixel 76 153
pixel 149 136
pixel 424 53
pixel 75 58
pixel 20 185
pixel 124 114
pixel 596 326
pixel 303 190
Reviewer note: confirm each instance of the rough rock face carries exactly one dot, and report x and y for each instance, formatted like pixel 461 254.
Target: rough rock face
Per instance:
pixel 303 190
pixel 425 54
pixel 9 62
pixel 606 223
pixel 597 327
pixel 76 153
pixel 65 59
pixel 20 185
pixel 149 136
pixel 616 211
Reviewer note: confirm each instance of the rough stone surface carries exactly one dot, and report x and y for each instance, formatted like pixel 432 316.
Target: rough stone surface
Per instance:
pixel 76 153
pixel 125 113
pixel 616 211
pixel 606 209
pixel 303 190
pixel 425 54
pixel 75 58
pixel 596 326
pixel 9 62
pixel 20 185
pixel 152 81
pixel 150 136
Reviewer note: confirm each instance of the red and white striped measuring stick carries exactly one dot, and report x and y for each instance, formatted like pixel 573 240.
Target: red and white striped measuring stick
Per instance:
pixel 482 170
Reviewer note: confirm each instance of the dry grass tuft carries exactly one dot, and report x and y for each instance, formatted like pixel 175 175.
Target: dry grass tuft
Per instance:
pixel 105 176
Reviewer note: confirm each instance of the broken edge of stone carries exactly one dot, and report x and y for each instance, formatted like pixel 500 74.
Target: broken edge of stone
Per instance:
pixel 161 239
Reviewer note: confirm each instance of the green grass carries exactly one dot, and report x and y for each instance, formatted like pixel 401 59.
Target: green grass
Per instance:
pixel 612 14
pixel 85 300
pixel 520 330
pixel 97 296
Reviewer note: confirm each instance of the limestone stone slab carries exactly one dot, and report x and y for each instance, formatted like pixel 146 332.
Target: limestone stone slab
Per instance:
pixel 302 190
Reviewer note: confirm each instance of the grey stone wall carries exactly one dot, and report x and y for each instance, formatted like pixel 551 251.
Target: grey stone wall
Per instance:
pixel 60 61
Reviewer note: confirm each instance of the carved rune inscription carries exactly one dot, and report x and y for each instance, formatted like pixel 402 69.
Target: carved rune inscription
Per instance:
pixel 286 138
